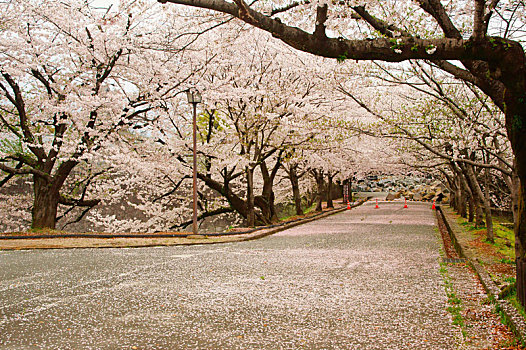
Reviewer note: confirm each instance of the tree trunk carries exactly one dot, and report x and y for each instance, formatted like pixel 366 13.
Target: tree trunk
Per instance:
pixel 329 191
pixel 45 204
pixel 318 176
pixel 516 128
pixel 461 191
pixel 471 211
pixel 451 186
pixel 453 200
pixel 520 244
pixel 514 193
pixel 469 195
pixel 477 196
pixel 251 216
pixel 236 202
pixel 487 208
pixel 350 190
pixel 296 195
pixel 294 177
pixel 462 200
pixel 269 212
pixel 479 215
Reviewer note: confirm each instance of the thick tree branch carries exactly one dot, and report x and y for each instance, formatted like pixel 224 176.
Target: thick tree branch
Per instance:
pixel 487 17
pixel 78 202
pixel 452 47
pixel 490 86
pixel 205 215
pixel 321 18
pixel 10 175
pixel 43 80
pixel 381 26
pixel 25 171
pixel 456 71
pixel 285 8
pixel 438 12
pixel 107 71
pixel 478 20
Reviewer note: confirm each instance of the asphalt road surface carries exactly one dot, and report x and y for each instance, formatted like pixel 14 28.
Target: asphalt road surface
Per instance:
pixel 363 279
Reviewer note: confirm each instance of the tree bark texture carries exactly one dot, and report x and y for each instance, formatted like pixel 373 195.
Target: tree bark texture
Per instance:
pixel 45 204
pixel 329 191
pixel 318 176
pixel 471 209
pixel 251 216
pixel 476 193
pixel 520 245
pixel 294 181
pixel 487 208
pixel 268 190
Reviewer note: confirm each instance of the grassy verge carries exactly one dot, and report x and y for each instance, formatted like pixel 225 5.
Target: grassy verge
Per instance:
pixel 512 298
pixel 455 304
pixel 504 237
pixel 498 259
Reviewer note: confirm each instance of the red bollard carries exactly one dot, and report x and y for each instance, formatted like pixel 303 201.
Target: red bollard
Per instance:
pixel 376 204
pixel 405 205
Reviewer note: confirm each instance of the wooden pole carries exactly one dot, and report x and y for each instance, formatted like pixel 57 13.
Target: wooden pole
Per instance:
pixel 194 223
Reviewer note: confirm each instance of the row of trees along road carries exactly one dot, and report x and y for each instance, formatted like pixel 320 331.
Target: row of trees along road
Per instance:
pixel 454 132
pixel 93 116
pixel 484 37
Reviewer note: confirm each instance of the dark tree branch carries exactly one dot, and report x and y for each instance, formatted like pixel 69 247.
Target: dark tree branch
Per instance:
pixel 437 11
pixel 378 24
pixel 487 17
pixel 84 212
pixel 478 20
pixel 204 216
pixel 452 47
pixel 175 188
pixel 10 175
pixel 78 202
pixel 107 71
pixel 285 8
pixel 321 18
pixel 26 171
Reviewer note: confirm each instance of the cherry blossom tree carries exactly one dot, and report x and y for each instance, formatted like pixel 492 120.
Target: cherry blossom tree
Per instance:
pixel 75 78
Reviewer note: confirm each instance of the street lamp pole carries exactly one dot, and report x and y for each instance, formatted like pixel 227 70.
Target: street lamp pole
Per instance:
pixel 194 97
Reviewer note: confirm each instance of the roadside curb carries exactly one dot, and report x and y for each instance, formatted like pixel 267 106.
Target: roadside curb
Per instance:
pixel 515 320
pixel 140 241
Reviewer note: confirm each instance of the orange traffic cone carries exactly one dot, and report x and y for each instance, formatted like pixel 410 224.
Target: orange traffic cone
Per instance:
pixel 348 205
pixel 433 207
pixel 405 205
pixel 377 205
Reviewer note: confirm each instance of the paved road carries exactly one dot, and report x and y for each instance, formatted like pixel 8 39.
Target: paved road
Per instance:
pixel 363 279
